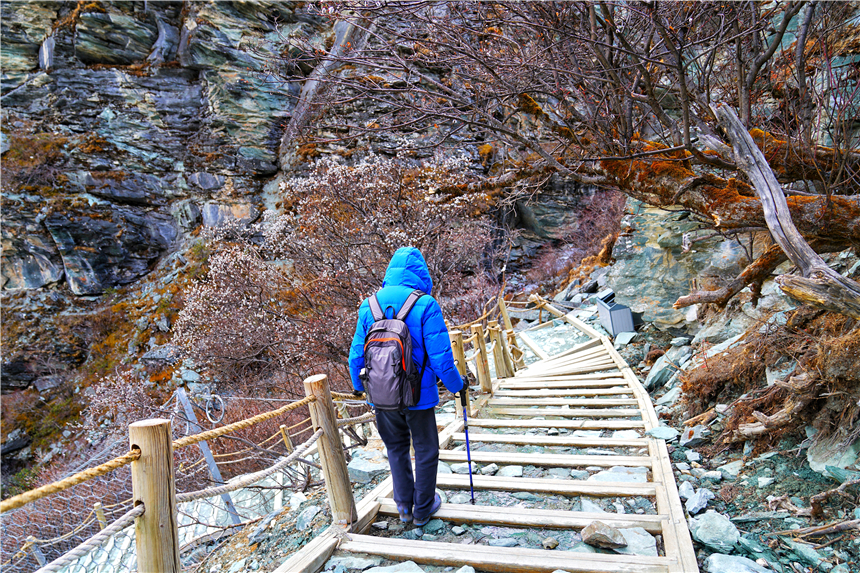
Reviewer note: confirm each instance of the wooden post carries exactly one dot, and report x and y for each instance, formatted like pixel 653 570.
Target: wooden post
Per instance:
pixel 483 366
pixel 498 350
pixel 460 362
pixel 156 532
pixel 331 451
pixel 100 514
pixel 506 318
pixel 459 351
pixel 214 472
pixel 287 441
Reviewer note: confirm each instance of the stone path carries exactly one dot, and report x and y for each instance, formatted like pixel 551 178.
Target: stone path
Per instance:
pixel 568 476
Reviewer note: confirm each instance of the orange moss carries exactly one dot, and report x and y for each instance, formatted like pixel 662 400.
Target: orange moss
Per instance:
pixel 72 18
pixel 486 152
pixel 308 151
pixel 93 143
pixel 527 104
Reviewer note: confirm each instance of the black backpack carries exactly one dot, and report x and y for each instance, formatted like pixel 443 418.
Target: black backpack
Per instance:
pixel 391 379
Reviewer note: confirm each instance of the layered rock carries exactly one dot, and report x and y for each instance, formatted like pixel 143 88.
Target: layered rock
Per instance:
pixel 165 115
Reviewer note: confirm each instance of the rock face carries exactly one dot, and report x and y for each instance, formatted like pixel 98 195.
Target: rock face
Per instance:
pixel 650 259
pixel 127 124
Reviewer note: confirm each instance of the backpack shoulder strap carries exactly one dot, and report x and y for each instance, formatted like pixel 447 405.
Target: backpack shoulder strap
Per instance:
pixel 408 304
pixel 375 308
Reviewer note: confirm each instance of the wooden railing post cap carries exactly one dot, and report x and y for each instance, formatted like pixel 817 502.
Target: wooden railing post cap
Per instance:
pixel 150 422
pixel 315 378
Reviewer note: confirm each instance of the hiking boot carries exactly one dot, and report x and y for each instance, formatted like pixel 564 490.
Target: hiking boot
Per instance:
pixel 437 503
pixel 405 513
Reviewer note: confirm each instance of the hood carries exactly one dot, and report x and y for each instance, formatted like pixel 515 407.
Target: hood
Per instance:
pixel 408 268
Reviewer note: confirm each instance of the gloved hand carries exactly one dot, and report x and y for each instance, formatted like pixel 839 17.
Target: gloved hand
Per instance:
pixel 464 400
pixel 358 393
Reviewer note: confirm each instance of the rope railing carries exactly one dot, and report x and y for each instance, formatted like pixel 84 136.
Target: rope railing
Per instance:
pixel 240 425
pixel 94 541
pixel 64 484
pixel 356 420
pixel 249 479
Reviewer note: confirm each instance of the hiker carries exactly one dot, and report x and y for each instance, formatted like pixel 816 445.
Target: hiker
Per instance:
pixel 431 357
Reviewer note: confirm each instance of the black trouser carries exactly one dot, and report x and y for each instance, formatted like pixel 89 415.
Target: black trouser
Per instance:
pixel 395 427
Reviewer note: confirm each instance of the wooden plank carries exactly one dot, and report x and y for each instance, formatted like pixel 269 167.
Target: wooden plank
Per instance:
pixel 566 424
pixel 676 537
pixel 585 402
pixel 553 440
pixel 522 377
pixel 568 413
pixel 542 303
pixel 546 460
pixel 538 518
pixel 579 348
pixel 594 381
pixel 606 366
pixel 450 429
pixel 501 559
pixel 538 485
pixel 558 392
pixel 534 346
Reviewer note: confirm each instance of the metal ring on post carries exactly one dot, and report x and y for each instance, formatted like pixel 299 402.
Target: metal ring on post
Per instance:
pixel 212 398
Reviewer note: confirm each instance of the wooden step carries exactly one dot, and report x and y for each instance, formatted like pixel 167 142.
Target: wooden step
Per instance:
pixel 537 383
pixel 567 413
pixel 537 518
pixel 546 460
pixel 568 441
pixel 549 392
pixel 560 424
pixel 501 559
pixel 586 402
pixel 541 485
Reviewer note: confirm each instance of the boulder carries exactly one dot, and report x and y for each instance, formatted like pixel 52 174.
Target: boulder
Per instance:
pixel 699 501
pixel 363 471
pixel 639 542
pixel 692 437
pixel 599 534
pixel 722 563
pixel 714 530
pixel 652 270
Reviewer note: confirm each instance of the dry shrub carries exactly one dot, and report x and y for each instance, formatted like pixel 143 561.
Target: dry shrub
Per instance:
pixel 280 300
pixel 823 391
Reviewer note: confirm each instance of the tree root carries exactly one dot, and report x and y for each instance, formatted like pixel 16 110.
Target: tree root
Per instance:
pixel 816 500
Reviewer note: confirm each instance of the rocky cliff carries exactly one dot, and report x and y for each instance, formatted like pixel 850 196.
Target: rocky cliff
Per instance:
pixel 126 124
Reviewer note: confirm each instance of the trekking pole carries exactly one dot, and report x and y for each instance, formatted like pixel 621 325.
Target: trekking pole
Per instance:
pixel 464 400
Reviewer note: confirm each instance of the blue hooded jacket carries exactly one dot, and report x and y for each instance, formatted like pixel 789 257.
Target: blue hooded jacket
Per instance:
pixel 406 272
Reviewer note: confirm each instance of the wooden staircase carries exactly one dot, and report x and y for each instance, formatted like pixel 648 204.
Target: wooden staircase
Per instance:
pixel 588 387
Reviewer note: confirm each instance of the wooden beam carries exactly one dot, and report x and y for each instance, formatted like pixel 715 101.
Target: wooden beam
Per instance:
pixel 571 413
pixel 594 381
pixel 560 424
pixel 501 559
pixel 546 460
pixel 555 486
pixel 569 441
pixel 538 518
pixel 534 346
pixel 585 402
pixel 550 392
pixel 542 303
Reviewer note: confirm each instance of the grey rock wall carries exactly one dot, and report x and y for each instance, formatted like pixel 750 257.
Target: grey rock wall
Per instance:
pixel 166 114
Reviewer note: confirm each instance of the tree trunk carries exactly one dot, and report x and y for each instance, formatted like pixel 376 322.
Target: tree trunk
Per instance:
pixel 819 285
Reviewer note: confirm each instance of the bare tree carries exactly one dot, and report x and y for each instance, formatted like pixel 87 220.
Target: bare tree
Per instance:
pixel 624 95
